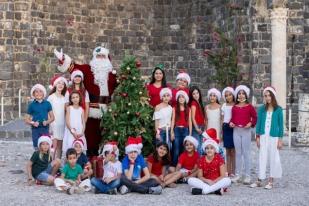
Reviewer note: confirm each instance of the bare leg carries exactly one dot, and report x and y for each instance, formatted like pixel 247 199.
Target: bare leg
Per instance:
pixel 55 141
pixel 56 165
pixel 59 149
pixel 172 178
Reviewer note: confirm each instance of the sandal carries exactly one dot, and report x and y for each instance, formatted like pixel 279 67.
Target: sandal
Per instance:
pixel 269 186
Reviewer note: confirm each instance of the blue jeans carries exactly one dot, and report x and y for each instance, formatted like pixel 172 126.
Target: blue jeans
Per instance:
pixel 43 176
pixel 163 138
pixel 199 138
pixel 37 132
pixel 102 186
pixel 180 134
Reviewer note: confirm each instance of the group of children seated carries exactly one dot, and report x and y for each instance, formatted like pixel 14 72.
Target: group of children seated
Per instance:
pixel 205 174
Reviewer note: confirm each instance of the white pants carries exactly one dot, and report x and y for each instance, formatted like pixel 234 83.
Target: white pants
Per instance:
pixel 269 153
pixel 195 182
pixel 62 185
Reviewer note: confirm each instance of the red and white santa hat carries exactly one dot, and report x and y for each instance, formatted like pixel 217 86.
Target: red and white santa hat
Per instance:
pixel 183 93
pixel 56 79
pixel 80 142
pixel 165 90
pixel 39 87
pixel 134 144
pixel 109 146
pixel 227 89
pixel 210 138
pixel 100 50
pixel 271 89
pixel 244 88
pixel 192 140
pixel 215 92
pixel 77 73
pixel 185 76
pixel 45 138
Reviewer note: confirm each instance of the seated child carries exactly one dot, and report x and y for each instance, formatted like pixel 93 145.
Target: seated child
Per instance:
pixel 82 159
pixel 41 167
pixel 70 180
pixel 187 163
pixel 211 175
pixel 133 165
pixel 112 171
pixel 212 133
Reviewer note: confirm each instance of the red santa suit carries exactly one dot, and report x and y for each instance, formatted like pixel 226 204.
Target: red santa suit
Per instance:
pixel 100 84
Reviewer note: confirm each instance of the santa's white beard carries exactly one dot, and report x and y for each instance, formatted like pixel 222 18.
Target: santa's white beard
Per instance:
pixel 100 69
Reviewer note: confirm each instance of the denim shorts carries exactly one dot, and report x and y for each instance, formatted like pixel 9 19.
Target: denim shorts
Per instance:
pixel 43 176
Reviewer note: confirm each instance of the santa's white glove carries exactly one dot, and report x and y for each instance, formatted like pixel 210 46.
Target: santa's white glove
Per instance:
pixel 58 54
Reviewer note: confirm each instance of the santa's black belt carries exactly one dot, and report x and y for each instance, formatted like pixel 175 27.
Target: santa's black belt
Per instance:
pixel 100 99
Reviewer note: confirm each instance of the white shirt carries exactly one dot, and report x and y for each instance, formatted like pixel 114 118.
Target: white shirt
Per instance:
pixel 226 111
pixel 164 116
pixel 112 169
pixel 268 123
pixel 57 103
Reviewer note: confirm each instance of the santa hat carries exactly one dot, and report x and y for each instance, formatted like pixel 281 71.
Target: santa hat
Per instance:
pixel 242 87
pixel 165 90
pixel 271 89
pixel 80 142
pixel 210 138
pixel 184 75
pixel 54 81
pixel 100 50
pixel 183 93
pixel 134 144
pixel 40 87
pixel 215 92
pixel 77 73
pixel 192 140
pixel 109 146
pixel 227 89
pixel 45 138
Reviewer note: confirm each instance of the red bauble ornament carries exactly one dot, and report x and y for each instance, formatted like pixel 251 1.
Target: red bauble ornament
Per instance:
pixel 124 94
pixel 137 114
pixel 138 63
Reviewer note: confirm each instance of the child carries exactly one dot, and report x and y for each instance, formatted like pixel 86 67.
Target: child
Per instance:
pixel 269 133
pixel 112 171
pixel 187 163
pixel 213 111
pixel 75 122
pixel 181 124
pixel 39 114
pixel 198 115
pixel 163 116
pixel 41 167
pixel 57 100
pixel 82 159
pixel 70 180
pixel 183 81
pixel 211 171
pixel 133 165
pixel 243 118
pixel 158 162
pixel 227 131
pixel 77 78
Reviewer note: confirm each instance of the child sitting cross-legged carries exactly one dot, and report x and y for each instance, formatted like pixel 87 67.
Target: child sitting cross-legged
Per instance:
pixel 112 171
pixel 82 159
pixel 70 180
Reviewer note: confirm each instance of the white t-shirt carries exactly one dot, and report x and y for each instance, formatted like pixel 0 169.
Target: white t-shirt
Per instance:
pixel 226 111
pixel 112 169
pixel 58 106
pixel 164 116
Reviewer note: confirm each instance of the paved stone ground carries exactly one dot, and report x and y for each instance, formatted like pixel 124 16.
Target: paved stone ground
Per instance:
pixel 292 189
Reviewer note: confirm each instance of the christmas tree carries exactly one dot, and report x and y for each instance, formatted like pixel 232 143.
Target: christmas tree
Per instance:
pixel 129 114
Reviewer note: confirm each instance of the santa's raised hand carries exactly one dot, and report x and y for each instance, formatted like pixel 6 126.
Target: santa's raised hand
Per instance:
pixel 64 61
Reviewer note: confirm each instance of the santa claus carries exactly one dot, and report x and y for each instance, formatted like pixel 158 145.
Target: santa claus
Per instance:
pixel 99 79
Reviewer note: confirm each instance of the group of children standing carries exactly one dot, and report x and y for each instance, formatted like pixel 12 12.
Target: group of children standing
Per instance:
pixel 187 138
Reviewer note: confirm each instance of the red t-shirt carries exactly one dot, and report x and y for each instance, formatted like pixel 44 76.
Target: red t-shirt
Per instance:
pixel 181 121
pixel 188 162
pixel 154 94
pixel 157 166
pixel 199 116
pixel 211 170
pixel 174 92
pixel 241 116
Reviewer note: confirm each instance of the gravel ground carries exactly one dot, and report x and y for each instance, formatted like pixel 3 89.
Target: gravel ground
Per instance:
pixel 292 189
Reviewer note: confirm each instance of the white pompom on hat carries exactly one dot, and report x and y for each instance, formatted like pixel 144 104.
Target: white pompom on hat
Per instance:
pixel 39 87
pixel 54 81
pixel 192 140
pixel 244 88
pixel 165 90
pixel 227 89
pixel 215 92
pixel 77 73
pixel 271 89
pixel 183 93
pixel 184 75
pixel 134 144
pixel 45 138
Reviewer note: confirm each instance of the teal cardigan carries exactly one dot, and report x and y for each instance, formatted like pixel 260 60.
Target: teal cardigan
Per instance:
pixel 276 129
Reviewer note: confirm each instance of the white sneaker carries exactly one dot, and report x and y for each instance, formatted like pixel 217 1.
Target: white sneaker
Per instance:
pixel 247 180
pixel 123 190
pixel 256 184
pixel 236 179
pixel 269 186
